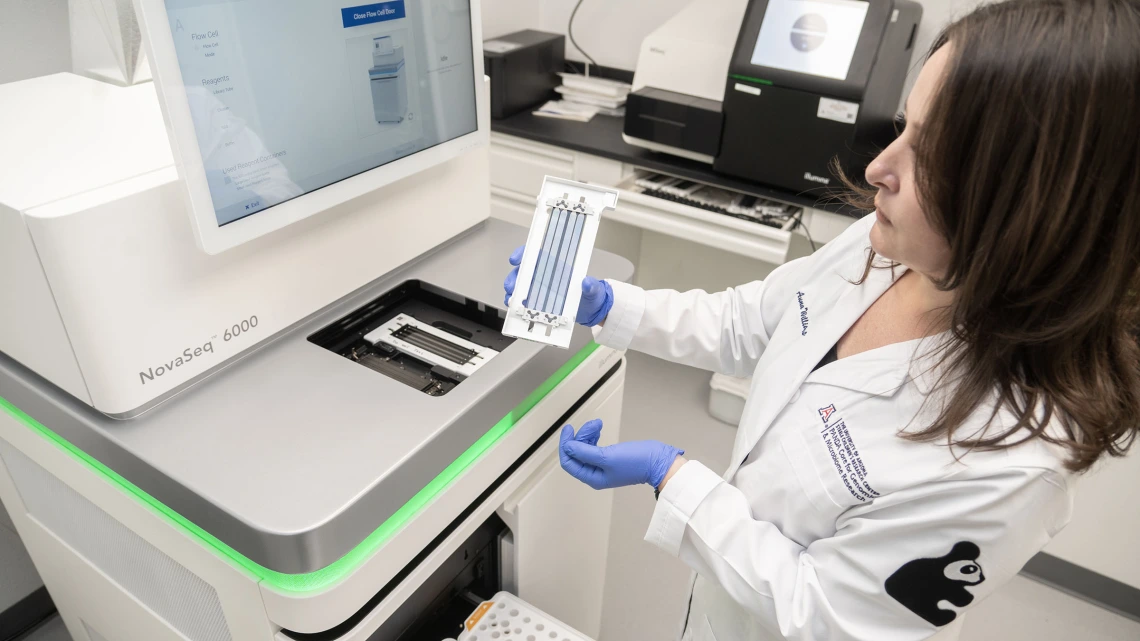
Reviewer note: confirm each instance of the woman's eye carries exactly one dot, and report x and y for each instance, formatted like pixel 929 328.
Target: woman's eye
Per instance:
pixel 900 123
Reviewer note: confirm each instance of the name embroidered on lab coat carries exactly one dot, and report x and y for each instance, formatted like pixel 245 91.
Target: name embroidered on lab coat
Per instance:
pixel 803 313
pixel 845 456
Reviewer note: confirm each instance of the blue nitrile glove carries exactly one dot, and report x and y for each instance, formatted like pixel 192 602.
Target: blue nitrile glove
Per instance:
pixel 617 465
pixel 597 295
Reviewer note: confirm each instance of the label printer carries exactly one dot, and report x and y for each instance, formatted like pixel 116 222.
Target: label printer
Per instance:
pixel 807 82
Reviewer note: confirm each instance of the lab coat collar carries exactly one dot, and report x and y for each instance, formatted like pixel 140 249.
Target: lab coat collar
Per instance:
pixel 882 371
pixel 878 372
pixel 926 369
pixel 848 309
pixel 780 377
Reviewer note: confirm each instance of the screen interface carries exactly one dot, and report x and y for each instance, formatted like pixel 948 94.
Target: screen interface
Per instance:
pixel 288 96
pixel 816 37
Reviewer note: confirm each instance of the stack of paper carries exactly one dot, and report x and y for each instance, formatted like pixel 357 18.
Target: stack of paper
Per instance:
pixel 566 110
pixel 584 96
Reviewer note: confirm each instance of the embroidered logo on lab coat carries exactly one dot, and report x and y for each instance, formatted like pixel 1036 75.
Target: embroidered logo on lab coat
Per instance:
pixel 845 455
pixel 826 412
pixel 922 584
pixel 803 313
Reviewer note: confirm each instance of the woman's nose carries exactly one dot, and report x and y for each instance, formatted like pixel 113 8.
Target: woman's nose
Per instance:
pixel 881 173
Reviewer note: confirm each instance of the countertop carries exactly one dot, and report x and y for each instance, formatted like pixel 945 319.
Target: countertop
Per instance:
pixel 601 136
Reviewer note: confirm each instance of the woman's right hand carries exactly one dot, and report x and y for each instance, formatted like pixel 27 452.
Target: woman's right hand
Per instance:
pixel 597 295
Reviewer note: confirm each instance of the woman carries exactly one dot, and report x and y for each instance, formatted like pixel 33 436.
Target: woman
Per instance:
pixel 927 385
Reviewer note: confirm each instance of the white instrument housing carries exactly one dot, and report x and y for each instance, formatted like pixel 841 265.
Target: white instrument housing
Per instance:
pixel 110 296
pixel 689 54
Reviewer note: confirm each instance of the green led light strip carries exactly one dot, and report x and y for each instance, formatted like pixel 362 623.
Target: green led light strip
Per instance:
pixel 761 81
pixel 340 568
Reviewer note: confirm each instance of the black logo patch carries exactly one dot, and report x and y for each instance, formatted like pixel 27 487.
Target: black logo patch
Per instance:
pixel 921 584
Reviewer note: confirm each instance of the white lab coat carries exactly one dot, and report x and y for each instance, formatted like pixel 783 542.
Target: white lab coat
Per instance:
pixel 826 515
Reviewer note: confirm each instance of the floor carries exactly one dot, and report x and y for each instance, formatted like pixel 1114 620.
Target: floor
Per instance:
pixel 52 630
pixel 668 402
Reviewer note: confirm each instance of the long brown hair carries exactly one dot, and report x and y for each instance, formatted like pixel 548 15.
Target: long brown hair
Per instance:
pixel 1029 164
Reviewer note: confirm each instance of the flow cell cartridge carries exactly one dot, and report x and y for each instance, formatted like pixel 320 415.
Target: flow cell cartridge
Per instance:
pixel 431 345
pixel 558 249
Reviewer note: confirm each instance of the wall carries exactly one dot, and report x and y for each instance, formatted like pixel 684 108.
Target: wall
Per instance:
pixel 609 30
pixel 501 17
pixel 34 39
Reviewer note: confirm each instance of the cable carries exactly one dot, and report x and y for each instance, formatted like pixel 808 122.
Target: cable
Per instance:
pixel 570 32
pixel 801 225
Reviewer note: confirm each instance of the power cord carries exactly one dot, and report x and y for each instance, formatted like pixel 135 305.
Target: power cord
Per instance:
pixel 570 32
pixel 801 225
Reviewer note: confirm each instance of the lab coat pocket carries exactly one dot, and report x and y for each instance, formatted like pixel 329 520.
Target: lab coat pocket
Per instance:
pixel 834 466
pixel 806 473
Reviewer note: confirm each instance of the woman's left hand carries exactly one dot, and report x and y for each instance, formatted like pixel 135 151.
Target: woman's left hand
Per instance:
pixel 617 465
